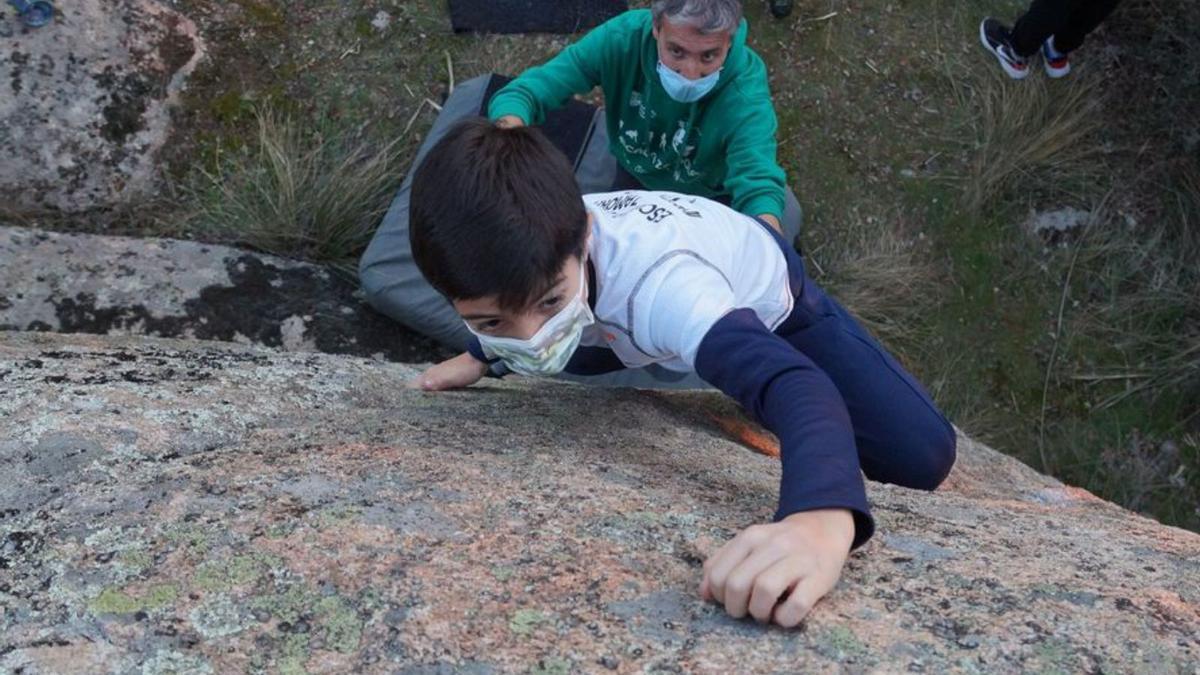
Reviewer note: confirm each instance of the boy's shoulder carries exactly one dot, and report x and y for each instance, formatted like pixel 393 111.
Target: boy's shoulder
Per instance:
pixel 635 233
pixel 662 259
pixel 659 208
pixel 632 229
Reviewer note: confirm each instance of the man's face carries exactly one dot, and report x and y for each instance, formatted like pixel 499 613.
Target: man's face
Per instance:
pixel 486 317
pixel 687 51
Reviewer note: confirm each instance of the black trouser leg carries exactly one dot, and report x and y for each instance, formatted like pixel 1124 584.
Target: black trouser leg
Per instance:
pixel 1086 15
pixel 1044 18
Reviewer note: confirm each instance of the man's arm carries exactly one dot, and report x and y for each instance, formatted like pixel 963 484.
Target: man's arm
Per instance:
pixel 755 181
pixel 771 220
pixel 575 70
pixel 753 177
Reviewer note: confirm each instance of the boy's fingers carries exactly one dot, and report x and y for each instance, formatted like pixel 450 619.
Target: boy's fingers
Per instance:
pixel 745 578
pixel 800 601
pixel 771 584
pixel 426 383
pixel 720 565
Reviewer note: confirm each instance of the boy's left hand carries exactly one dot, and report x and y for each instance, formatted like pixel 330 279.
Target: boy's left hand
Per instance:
pixel 461 371
pixel 802 553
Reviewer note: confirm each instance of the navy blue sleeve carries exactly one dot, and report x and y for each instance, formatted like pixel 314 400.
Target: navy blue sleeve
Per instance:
pixel 496 367
pixel 793 398
pixel 475 349
pixel 593 361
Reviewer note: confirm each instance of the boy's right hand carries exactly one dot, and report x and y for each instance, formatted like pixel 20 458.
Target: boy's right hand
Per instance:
pixel 800 557
pixel 460 371
pixel 509 122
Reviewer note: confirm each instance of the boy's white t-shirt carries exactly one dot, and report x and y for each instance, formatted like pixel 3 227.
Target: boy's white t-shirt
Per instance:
pixel 669 266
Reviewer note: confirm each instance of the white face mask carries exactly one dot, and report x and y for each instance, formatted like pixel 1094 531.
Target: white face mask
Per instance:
pixel 547 352
pixel 684 90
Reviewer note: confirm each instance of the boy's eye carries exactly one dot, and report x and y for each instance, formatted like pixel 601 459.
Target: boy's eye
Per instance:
pixel 487 326
pixel 550 303
pixel 707 57
pixel 676 52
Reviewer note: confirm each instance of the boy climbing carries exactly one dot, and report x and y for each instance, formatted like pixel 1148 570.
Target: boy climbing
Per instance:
pixel 548 280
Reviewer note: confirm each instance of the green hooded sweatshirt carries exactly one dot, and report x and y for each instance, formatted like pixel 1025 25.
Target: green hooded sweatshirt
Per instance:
pixel 723 144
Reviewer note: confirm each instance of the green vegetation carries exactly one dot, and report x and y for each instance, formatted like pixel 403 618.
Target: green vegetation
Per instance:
pixel 525 621
pixel 224 575
pixel 298 191
pixel 114 601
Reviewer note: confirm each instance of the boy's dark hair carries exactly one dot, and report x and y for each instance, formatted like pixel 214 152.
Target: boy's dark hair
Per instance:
pixel 495 212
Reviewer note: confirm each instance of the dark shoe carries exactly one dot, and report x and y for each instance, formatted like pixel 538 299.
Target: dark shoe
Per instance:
pixel 781 8
pixel 1057 64
pixel 995 38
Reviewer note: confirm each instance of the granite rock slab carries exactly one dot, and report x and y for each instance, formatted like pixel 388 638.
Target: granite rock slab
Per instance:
pixel 85 283
pixel 85 101
pixel 182 506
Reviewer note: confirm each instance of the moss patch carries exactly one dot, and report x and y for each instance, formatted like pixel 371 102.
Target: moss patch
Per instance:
pixel 524 621
pixel 223 575
pixel 293 654
pixel 287 605
pixel 115 601
pixel 343 628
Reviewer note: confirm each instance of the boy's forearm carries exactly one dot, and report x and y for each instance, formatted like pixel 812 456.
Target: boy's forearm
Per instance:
pixel 793 398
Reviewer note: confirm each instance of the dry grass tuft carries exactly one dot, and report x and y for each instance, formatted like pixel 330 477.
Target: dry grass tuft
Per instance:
pixel 886 279
pixel 1029 134
pixel 1151 281
pixel 312 194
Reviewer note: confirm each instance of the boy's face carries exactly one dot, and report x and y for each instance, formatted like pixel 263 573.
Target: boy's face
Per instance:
pixel 687 51
pixel 485 316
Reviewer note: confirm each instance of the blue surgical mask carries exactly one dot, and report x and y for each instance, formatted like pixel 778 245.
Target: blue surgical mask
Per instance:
pixel 684 90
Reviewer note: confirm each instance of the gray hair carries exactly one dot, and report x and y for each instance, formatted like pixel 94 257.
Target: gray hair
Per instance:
pixel 706 16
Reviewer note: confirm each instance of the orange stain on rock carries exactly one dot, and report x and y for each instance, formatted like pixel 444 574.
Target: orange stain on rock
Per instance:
pixel 747 434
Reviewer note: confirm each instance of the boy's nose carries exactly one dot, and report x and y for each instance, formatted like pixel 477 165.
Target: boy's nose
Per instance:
pixel 528 327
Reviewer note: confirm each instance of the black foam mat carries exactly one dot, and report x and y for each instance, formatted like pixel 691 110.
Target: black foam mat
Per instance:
pixel 531 16
pixel 568 127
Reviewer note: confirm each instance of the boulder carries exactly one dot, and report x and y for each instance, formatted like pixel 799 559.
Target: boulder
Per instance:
pixel 179 506
pixel 82 283
pixel 84 101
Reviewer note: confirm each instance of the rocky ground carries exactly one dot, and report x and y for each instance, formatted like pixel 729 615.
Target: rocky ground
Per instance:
pixel 86 102
pixel 175 506
pixel 81 283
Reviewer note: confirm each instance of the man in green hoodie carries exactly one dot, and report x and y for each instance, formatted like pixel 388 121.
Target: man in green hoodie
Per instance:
pixel 688 107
